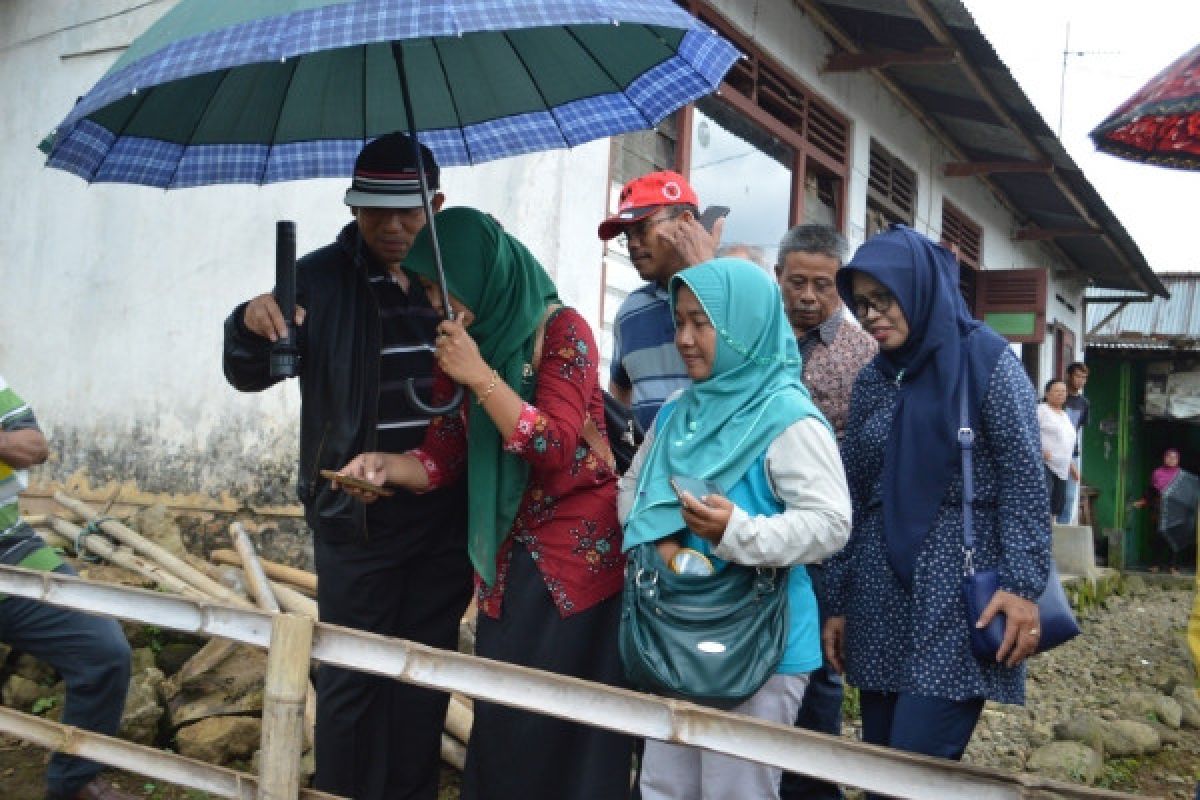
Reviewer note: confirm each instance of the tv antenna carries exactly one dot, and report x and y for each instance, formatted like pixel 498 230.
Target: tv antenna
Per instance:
pixel 1062 82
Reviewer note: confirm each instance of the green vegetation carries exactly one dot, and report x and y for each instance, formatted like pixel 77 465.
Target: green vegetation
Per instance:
pixel 44 704
pixel 1119 773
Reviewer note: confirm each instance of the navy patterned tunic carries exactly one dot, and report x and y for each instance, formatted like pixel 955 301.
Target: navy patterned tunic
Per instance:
pixel 902 641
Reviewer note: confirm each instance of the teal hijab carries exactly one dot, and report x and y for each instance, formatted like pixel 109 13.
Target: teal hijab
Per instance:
pixel 719 426
pixel 508 291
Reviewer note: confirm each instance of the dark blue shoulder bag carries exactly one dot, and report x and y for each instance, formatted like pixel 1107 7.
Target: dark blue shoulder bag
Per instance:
pixel 1056 622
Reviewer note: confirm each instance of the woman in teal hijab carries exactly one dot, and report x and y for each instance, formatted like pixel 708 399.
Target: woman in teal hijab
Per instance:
pixel 779 498
pixel 544 536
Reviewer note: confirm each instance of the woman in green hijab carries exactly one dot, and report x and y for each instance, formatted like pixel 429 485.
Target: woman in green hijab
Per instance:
pixel 543 534
pixel 747 426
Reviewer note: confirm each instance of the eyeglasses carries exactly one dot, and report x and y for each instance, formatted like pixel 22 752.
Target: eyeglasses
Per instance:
pixel 640 228
pixel 881 300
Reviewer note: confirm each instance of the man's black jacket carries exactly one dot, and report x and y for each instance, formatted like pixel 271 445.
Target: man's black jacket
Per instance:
pixel 339 346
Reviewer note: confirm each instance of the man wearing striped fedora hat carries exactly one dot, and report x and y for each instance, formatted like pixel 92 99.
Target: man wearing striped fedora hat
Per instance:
pixel 397 567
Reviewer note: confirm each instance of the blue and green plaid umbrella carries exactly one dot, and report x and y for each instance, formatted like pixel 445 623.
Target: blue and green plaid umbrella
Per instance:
pixel 259 91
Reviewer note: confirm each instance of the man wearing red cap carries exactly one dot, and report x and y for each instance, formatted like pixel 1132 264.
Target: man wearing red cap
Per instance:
pixel 657 215
pixel 397 567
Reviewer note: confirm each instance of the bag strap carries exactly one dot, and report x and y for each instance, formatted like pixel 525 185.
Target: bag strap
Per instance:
pixel 591 431
pixel 966 444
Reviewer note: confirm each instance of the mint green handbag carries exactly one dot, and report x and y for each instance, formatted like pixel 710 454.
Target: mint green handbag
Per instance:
pixel 712 639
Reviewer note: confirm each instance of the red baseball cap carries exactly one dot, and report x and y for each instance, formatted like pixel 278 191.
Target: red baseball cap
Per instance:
pixel 642 196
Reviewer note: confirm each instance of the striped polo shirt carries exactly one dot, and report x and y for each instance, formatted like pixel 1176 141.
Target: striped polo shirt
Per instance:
pixel 407 326
pixel 644 355
pixel 18 543
pixel 15 415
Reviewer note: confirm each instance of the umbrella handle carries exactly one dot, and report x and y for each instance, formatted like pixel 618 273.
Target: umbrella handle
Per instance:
pixel 410 391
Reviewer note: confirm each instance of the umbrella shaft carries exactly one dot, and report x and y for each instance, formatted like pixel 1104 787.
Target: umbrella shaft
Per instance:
pixel 398 55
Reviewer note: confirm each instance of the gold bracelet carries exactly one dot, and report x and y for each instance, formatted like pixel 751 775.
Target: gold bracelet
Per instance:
pixel 491 387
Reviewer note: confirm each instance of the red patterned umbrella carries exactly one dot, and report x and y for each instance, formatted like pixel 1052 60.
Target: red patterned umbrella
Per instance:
pixel 1160 124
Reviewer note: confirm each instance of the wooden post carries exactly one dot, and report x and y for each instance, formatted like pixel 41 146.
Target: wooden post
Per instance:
pixel 283 707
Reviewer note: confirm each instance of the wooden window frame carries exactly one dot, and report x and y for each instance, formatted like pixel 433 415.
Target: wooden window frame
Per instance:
pixel 811 143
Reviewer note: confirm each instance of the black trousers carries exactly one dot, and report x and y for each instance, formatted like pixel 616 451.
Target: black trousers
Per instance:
pixel 378 738
pixel 519 755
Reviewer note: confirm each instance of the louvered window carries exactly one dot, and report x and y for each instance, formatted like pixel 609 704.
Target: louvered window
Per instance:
pixel 1013 302
pixel 962 236
pixel 891 187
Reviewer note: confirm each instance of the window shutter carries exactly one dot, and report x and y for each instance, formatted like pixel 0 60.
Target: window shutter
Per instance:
pixel 1013 302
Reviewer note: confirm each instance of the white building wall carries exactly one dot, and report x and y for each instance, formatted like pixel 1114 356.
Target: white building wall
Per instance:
pixel 117 294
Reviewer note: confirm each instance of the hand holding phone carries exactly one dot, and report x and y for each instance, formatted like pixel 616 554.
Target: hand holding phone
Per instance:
pixel 710 216
pixel 697 488
pixel 356 483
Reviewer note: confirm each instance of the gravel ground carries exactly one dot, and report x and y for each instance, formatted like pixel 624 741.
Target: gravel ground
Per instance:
pixel 1135 643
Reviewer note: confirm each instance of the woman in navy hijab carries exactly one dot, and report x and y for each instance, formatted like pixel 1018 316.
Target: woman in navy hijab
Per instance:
pixel 899 625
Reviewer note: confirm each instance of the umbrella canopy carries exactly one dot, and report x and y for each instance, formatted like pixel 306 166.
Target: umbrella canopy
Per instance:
pixel 1160 124
pixel 275 90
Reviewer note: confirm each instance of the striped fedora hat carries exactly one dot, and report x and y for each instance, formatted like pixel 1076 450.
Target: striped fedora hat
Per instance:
pixel 385 174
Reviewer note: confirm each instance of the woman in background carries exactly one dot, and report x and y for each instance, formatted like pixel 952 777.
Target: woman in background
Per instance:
pixel 1172 494
pixel 1058 444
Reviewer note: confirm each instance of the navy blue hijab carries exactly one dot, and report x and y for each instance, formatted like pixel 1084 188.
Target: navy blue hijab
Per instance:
pixel 922 455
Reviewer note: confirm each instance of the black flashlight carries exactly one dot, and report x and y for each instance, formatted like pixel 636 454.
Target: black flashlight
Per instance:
pixel 285 358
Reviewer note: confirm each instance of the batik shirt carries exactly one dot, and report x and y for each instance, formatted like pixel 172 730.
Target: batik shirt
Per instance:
pixel 567 518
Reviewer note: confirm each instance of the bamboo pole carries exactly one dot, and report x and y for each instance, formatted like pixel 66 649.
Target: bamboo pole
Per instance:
pixel 289 599
pixel 207 657
pixel 210 570
pixel 144 546
pixel 66 534
pixel 283 706
pixel 459 718
pixel 152 762
pixel 256 578
pixel 877 769
pixel 301 579
pixel 454 752
pixel 266 599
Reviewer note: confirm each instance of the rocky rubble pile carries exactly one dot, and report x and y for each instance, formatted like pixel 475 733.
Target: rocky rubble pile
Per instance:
pixel 1115 707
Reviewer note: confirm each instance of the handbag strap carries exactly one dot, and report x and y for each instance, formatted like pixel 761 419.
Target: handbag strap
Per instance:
pixel 591 432
pixel 966 444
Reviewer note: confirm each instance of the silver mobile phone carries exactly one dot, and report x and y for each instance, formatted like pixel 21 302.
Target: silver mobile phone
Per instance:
pixel 697 488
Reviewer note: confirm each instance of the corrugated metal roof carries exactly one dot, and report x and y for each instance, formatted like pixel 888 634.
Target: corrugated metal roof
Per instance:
pixel 1170 323
pixel 968 101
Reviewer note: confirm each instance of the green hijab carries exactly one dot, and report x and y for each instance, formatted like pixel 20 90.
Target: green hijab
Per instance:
pixel 506 288
pixel 719 426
